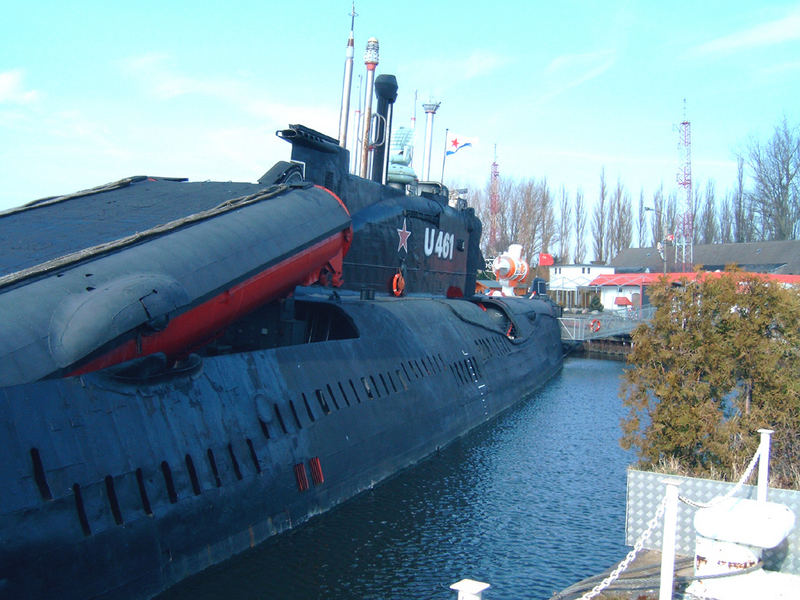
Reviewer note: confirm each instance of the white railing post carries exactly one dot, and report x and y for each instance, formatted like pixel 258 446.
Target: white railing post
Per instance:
pixel 668 541
pixel 469 589
pixel 763 464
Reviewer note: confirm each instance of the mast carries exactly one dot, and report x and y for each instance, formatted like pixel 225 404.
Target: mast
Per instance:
pixel 430 111
pixel 347 83
pixel 371 61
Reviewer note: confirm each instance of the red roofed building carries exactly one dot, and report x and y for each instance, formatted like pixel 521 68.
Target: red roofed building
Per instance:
pixel 624 281
pixel 618 290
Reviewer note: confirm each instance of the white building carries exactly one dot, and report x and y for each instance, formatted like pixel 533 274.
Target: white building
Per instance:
pixel 569 284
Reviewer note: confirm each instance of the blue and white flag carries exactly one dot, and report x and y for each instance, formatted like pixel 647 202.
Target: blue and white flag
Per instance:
pixel 456 143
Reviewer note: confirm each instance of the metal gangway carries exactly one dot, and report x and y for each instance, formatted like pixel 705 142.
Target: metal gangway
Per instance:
pixel 605 324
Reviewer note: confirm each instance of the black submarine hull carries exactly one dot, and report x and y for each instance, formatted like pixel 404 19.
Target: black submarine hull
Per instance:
pixel 122 482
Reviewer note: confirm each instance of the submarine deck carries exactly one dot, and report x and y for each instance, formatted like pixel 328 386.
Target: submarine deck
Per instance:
pixel 53 227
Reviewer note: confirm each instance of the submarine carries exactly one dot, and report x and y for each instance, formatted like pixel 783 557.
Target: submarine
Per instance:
pixel 189 368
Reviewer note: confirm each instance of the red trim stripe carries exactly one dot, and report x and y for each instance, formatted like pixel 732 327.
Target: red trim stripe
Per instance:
pixel 200 323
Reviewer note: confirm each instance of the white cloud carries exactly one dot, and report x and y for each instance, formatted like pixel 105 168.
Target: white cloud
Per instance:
pixel 764 34
pixel 481 63
pixel 782 68
pixel 12 90
pixel 571 70
pixel 161 80
pixel 437 75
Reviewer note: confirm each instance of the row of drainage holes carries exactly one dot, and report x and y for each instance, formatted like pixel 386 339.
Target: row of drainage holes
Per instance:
pixel 490 346
pixel 430 366
pixel 370 388
pixel 466 371
pixel 111 494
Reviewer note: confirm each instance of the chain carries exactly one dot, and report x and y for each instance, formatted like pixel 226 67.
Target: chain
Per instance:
pixel 651 525
pixel 732 491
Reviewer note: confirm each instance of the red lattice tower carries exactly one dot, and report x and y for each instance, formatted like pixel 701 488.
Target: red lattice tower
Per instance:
pixel 494 204
pixel 685 181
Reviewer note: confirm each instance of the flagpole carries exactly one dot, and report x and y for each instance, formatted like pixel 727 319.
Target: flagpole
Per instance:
pixel 444 154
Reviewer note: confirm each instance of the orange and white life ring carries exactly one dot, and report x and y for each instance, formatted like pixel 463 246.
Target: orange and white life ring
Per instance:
pixel 595 325
pixel 398 284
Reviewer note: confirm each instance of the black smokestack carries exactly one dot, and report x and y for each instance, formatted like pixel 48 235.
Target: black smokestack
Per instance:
pixel 386 90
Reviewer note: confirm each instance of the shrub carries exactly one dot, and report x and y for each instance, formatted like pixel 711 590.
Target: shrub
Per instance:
pixel 719 360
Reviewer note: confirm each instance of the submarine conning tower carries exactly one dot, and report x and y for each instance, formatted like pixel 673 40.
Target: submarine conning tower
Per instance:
pixel 407 239
pixel 324 162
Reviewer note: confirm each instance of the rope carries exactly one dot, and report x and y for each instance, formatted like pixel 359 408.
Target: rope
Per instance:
pixel 732 491
pixel 107 187
pixel 106 247
pixel 651 525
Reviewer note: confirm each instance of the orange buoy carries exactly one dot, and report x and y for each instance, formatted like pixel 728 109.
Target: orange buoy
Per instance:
pixel 398 284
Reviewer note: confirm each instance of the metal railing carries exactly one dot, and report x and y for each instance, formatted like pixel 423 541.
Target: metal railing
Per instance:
pixel 607 323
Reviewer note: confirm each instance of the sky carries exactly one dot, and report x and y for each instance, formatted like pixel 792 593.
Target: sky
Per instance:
pixel 91 92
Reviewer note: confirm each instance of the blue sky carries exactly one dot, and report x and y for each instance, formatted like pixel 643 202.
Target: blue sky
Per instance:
pixel 94 91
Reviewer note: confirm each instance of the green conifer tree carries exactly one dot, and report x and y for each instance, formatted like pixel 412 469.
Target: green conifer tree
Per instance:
pixel 720 359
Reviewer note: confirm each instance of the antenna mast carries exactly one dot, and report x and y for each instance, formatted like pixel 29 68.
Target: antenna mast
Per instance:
pixel 684 178
pixel 347 82
pixel 370 61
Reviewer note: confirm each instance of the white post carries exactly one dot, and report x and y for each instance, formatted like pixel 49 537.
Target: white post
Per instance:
pixel 763 464
pixel 668 541
pixel 469 589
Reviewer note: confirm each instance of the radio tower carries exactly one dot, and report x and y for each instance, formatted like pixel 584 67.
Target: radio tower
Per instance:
pixel 686 241
pixel 494 204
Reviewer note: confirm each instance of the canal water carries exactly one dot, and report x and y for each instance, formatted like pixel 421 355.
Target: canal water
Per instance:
pixel 530 503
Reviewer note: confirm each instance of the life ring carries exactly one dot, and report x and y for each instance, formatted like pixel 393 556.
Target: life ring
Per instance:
pixel 595 325
pixel 398 284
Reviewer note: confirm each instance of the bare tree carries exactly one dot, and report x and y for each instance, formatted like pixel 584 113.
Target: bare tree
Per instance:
pixel 742 226
pixel 530 226
pixel 479 200
pixel 640 224
pixel 625 223
pixel 599 221
pixel 776 186
pixel 508 216
pixel 516 206
pixel 564 227
pixel 707 219
pixel 726 219
pixel 620 222
pixel 688 220
pixel 671 213
pixel 580 227
pixel 546 216
pixel 659 217
pixel 526 217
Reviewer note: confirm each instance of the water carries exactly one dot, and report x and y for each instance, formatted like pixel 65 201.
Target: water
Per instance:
pixel 530 503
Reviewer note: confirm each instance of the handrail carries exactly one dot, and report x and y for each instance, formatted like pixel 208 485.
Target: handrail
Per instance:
pixel 581 327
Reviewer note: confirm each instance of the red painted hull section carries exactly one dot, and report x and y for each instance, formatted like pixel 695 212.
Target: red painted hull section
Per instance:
pixel 202 322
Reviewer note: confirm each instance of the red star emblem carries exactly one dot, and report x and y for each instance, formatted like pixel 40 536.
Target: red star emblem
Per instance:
pixel 454 143
pixel 404 235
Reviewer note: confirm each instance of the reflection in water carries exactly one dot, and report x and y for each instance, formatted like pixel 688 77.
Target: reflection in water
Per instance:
pixel 530 503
